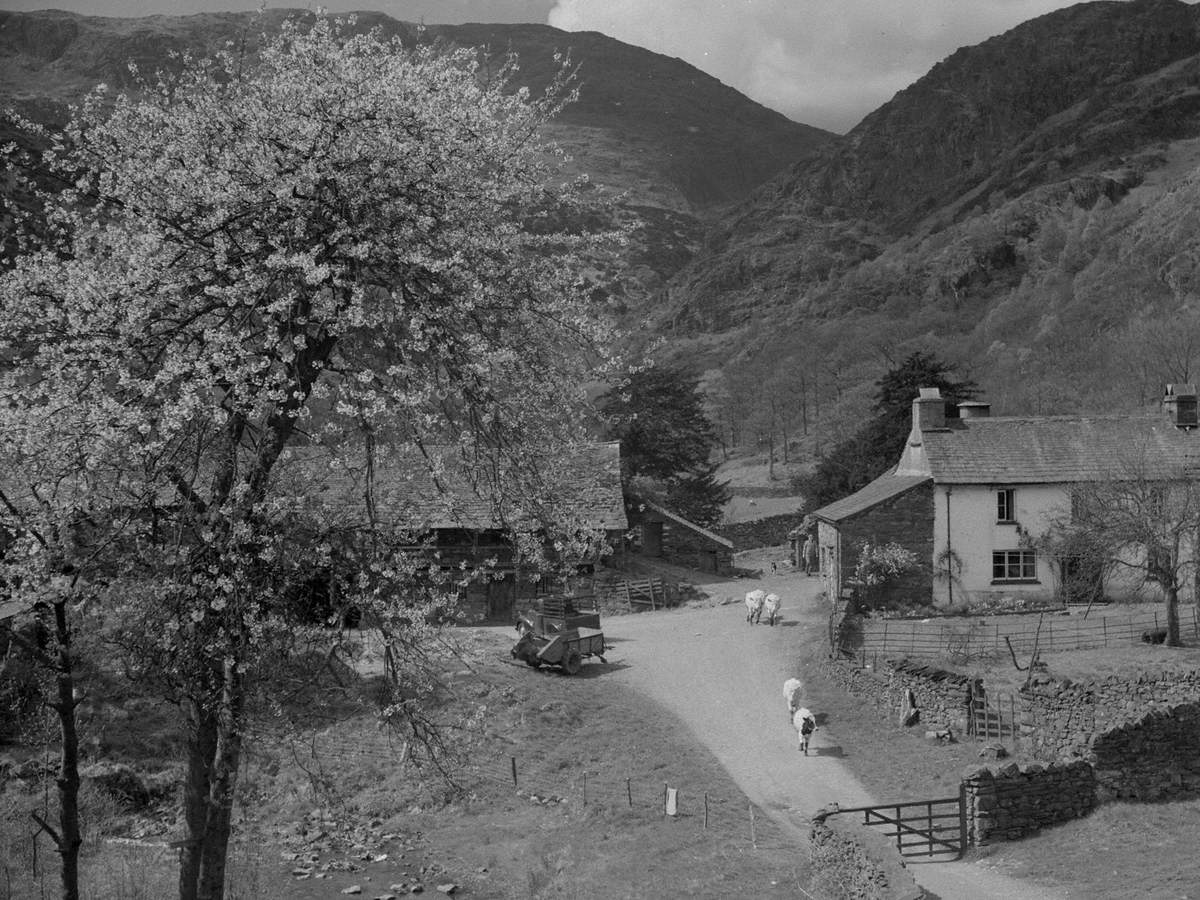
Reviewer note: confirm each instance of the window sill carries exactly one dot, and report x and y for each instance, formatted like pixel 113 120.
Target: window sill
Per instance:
pixel 1006 521
pixel 1016 581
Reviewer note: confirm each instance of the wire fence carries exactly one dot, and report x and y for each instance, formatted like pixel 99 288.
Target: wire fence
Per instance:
pixel 966 639
pixel 673 797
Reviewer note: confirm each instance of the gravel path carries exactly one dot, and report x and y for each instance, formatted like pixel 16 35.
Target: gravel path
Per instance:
pixel 724 678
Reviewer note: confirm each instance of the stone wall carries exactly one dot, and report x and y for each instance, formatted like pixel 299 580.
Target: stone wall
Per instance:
pixel 941 696
pixel 1012 801
pixel 1061 716
pixel 767 532
pixel 1154 757
pixel 852 862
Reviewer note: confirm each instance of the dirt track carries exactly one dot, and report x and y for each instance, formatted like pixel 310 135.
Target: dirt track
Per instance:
pixel 724 679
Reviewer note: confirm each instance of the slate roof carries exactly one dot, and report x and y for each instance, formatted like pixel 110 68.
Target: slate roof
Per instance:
pixel 691 526
pixel 1058 449
pixel 587 482
pixel 885 487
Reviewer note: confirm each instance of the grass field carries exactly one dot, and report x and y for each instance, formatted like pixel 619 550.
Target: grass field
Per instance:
pixel 585 818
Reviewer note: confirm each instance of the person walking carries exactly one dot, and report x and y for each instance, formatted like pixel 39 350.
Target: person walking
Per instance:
pixel 809 553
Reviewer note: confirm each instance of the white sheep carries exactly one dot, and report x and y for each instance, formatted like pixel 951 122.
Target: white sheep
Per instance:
pixel 805 723
pixel 771 608
pixel 754 605
pixel 791 694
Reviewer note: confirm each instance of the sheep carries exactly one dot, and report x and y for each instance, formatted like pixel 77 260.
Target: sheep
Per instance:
pixel 771 608
pixel 791 694
pixel 805 723
pixel 754 605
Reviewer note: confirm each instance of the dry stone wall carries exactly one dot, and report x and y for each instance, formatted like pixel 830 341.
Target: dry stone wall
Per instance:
pixel 766 532
pixel 941 695
pixel 1154 757
pixel 1012 801
pixel 1061 717
pixel 851 862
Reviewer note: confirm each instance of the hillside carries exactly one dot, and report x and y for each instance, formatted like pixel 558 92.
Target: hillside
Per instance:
pixel 1023 210
pixel 672 135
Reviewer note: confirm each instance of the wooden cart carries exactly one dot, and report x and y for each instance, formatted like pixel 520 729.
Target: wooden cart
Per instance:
pixel 567 649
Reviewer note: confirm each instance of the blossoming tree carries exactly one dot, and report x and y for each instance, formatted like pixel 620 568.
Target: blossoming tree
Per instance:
pixel 335 253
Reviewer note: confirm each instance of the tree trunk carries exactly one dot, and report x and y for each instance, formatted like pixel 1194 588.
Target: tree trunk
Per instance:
pixel 1173 616
pixel 222 783
pixel 201 749
pixel 69 839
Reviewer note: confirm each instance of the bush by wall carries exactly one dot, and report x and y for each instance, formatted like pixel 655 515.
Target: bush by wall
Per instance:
pixel 852 862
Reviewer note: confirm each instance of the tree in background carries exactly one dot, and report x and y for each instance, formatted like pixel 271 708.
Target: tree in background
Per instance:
pixel 875 447
pixel 1143 519
pixel 667 443
pixel 267 273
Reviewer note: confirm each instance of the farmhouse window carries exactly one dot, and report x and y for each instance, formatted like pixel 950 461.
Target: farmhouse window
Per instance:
pixel 1014 565
pixel 1005 510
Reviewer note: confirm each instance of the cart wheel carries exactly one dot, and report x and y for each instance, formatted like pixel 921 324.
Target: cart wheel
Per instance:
pixel 572 662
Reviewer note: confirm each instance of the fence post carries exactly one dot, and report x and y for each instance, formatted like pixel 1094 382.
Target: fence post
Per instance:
pixel 629 793
pixel 513 760
pixel 1104 622
pixel 962 818
pixel 885 649
pixel 706 809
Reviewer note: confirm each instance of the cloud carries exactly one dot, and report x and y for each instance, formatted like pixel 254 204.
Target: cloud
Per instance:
pixel 823 62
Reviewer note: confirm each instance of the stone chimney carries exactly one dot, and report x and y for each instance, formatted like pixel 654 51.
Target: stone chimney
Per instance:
pixel 974 409
pixel 929 410
pixel 1180 403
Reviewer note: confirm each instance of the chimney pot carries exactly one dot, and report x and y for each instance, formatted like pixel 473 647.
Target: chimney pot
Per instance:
pixel 974 409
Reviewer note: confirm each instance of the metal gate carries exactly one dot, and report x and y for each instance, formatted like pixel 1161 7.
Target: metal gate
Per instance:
pixel 921 827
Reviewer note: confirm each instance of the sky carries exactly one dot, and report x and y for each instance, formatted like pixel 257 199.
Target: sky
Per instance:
pixel 822 62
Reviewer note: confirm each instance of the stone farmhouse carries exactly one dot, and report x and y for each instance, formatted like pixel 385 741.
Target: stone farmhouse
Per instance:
pixel 968 491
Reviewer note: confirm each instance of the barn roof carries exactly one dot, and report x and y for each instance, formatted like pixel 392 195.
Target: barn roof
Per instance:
pixel 1057 449
pixel 711 536
pixel 885 487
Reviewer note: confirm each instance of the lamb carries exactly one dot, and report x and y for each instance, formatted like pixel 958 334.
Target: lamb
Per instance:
pixel 805 723
pixel 754 605
pixel 791 694
pixel 771 608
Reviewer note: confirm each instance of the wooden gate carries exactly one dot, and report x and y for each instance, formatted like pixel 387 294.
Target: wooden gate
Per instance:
pixel 991 716
pixel 651 593
pixel 921 827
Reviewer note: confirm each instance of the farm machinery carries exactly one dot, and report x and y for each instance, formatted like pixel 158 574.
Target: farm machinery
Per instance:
pixel 558 634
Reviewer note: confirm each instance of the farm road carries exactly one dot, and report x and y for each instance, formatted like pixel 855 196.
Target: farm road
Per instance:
pixel 724 679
